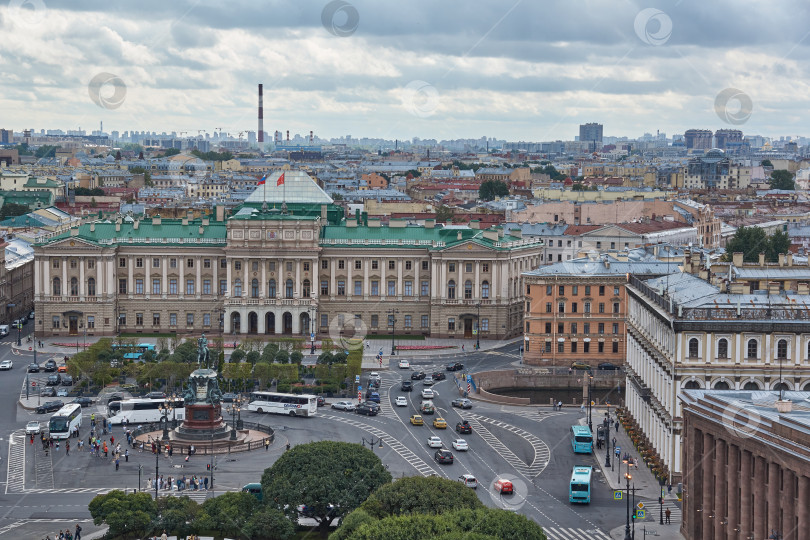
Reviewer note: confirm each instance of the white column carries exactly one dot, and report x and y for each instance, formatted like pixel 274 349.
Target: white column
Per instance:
pixel 37 278
pixel 245 264
pixel 332 290
pixel 442 285
pixel 215 279
pixel 366 285
pixel 112 286
pixel 400 285
pixel 130 279
pixel 198 285
pixel 477 283
pixel 81 277
pixel 262 290
pixel 65 284
pixel 228 315
pixel 229 291
pixel 494 293
pixel 181 287
pixel 459 281
pixel 296 322
pixel 148 279
pixel 417 285
pixel 164 282
pixel 349 284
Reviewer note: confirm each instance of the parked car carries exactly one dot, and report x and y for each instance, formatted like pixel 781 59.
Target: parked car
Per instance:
pixel 455 366
pixel 460 445
pixel 33 367
pixel 434 442
pixel 504 487
pixel 443 456
pixel 31 314
pixel 49 406
pixel 50 365
pixel 61 369
pixel 427 393
pixel 468 480
pixel 48 391
pixel 154 395
pixel 83 401
pixel 581 365
pixel 32 428
pixel 54 380
pixel 462 403
pixel 368 408
pixel 401 401
pixel 439 423
pixel 406 386
pixel 67 380
pixel 607 366
pixel 228 397
pixel 464 427
pixel 320 401
pixel 416 420
pixel 438 376
pixel 62 392
pixel 5 365
pixel 404 364
pixel 344 406
pixel 373 396
pixel 417 375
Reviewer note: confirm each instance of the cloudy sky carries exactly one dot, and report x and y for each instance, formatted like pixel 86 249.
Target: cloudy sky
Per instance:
pixel 518 70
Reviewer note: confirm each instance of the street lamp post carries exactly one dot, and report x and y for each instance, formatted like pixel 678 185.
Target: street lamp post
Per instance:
pixel 312 331
pixel 478 327
pixel 19 336
pixel 590 401
pixel 392 314
pixel 661 501
pixel 627 536
pixel 157 456
pixel 235 408
pixel 371 443
pixel 164 409
pixel 607 448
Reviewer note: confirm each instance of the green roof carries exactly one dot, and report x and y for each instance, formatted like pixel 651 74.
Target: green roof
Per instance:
pixel 27 198
pixel 34 183
pixel 169 231
pixel 295 211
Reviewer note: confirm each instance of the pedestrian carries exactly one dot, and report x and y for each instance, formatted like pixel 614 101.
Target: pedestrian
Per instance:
pixel 67 448
pixel 617 426
pixel 105 449
pixel 570 371
pixel 618 453
pixel 582 407
pixel 112 440
pixel 669 488
pixel 164 536
pixel 559 405
pixel 205 483
pixel 78 535
pixel 462 346
pixel 667 514
pixel 266 444
pixel 93 419
pixel 171 450
pixel 126 455
pixel 57 446
pixel 635 463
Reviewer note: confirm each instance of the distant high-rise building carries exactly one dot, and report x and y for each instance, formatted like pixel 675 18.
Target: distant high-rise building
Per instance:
pixel 591 133
pixel 727 138
pixel 6 136
pixel 698 139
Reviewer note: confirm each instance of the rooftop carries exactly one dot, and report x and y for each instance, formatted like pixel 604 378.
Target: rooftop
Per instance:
pixel 603 266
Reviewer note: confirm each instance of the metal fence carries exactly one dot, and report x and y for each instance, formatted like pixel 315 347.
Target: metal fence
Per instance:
pixel 205 447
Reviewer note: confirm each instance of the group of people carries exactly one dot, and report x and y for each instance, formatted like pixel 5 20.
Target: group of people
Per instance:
pixel 67 535
pixel 195 483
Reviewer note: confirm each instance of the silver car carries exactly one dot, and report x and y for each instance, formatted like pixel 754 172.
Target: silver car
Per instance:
pixel 344 406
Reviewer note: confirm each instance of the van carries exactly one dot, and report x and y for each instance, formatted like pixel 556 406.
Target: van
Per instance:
pixel 502 486
pixel 427 407
pixel 254 489
pixel 3 330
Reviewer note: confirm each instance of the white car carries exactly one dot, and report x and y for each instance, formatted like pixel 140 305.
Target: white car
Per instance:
pixel 427 393
pixel 468 480
pixel 434 442
pixel 401 401
pixel 6 365
pixel 404 364
pixel 344 405
pixel 428 381
pixel 32 428
pixel 62 392
pixel 460 445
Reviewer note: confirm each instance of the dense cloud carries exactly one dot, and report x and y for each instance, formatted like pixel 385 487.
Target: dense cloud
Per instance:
pixel 517 70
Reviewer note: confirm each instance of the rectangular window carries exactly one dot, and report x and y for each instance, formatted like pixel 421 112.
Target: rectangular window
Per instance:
pixel 189 263
pixel 573 346
pixel 548 328
pixel 375 321
pixel 586 347
pixel 615 347
pixel 155 262
pixel 574 290
pixel 407 321
pixel 189 286
pixel 615 328
pixel 91 322
pixel 391 320
pixel 599 245
pixel 122 286
pixel 409 288
pixel 139 319
pixel 375 288
pixel 139 286
pixel 358 288
pixel 587 290
pixel 424 265
pixel 189 319
pixel 392 288
pixel 358 265
pixel 392 265
pixel 155 319
pixel 324 287
pixel 586 328
pixel 173 286
pixel 485 325
pixel 207 264
pixel 560 347
pixel 451 267
pixel 341 264
pixel 468 267
pixel 587 307
pixel 601 328
pixel 451 324
pixel 122 262
pixel 561 307
pixel 173 263
pixel 561 290
pixel 485 267
pixel 408 265
pixel 306 267
pixel 613 245
pixel 237 265
pixel 573 328
pixel 289 266
pixel 425 321
pixel 548 307
pixel 138 262
pixel 375 265
pixel 547 347
pixel 425 288
pixel 601 290
pixel 91 263
pixel 615 291
pixel 341 288
pixel 601 347
pixel 601 307
pixel 615 307
pixel 122 319
pixel 206 286
pixel 223 286
pixel 324 320
pixel 560 328
pixel 324 265
pixel 206 319
pixel 55 265
pixel 573 307
pixel 55 320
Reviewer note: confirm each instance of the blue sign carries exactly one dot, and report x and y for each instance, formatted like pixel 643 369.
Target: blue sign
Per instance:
pixel 380 352
pixel 641 514
pixel 357 379
pixel 359 387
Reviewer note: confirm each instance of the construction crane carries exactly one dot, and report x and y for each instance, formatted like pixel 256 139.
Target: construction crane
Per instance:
pixel 240 135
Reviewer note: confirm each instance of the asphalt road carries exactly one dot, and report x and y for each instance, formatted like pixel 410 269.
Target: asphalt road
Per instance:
pixel 41 494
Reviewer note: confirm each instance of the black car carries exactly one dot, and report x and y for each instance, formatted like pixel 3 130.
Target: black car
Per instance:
pixel 154 395
pixel 33 367
pixel 320 401
pixel 228 397
pixel 443 456
pixel 50 365
pixel 48 391
pixel 49 406
pixel 417 375
pixel 464 427
pixel 114 397
pixel 54 380
pixel 455 366
pixel 607 366
pixel 67 380
pixel 438 376
pixel 367 408
pixel 83 401
pixel 406 386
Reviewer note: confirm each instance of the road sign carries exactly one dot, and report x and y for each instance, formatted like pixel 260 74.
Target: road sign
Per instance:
pixel 640 506
pixel 357 379
pixel 359 396
pixel 34 383
pixel 359 388
pixel 641 514
pixel 618 495
pixel 380 352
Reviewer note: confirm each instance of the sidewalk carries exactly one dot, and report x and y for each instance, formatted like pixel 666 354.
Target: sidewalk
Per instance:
pixel 647 488
pixel 433 348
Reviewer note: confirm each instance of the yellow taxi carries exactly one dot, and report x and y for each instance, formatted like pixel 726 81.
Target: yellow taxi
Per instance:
pixel 439 423
pixel 416 420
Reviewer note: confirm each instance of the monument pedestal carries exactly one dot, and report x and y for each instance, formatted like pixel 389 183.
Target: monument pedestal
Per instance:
pixel 202 419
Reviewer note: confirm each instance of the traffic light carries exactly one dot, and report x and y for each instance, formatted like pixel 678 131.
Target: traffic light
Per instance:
pixel 660 500
pixel 208 466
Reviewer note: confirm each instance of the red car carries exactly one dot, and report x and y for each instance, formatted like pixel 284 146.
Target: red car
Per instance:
pixel 504 487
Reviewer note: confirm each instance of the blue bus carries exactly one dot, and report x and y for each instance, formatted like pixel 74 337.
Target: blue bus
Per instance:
pixel 581 440
pixel 579 490
pixel 133 352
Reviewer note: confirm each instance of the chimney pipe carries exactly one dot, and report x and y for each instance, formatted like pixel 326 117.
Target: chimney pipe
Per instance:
pixel 261 114
pixel 311 138
pixel 288 135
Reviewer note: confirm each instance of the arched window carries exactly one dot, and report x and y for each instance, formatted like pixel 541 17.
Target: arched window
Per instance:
pixel 781 349
pixel 307 288
pixel 91 287
pixel 74 287
pixel 237 288
pixel 468 289
pixel 722 348
pixel 752 349
pixel 288 289
pixel 254 288
pixel 271 289
pixel 451 290
pixel 721 385
pixel 57 286
pixel 751 385
pixel 781 386
pixel 692 385
pixel 806 387
pixel 485 289
pixel 693 348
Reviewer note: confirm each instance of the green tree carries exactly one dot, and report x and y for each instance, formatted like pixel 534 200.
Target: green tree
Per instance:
pixel 171 152
pixel 11 209
pixel 336 196
pixel 296 357
pixel 325 358
pixel 331 478
pixel 175 515
pixel 751 241
pixel 269 524
pixel 213 156
pixel 46 151
pixel 237 355
pixel 419 495
pixel 491 189
pixel 269 353
pixel 782 179
pixel 767 163
pixel 778 243
pixel 282 356
pixel 228 513
pixel 124 514
pixel 444 214
pixel 253 357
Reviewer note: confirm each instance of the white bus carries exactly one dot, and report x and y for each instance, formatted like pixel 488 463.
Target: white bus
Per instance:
pixel 290 404
pixel 65 420
pixel 142 411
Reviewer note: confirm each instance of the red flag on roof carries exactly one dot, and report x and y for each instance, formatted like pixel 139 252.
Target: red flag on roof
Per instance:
pixel 280 180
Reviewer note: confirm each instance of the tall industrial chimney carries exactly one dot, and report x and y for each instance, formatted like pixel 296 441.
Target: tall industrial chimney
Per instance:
pixel 311 138
pixel 288 135
pixel 261 114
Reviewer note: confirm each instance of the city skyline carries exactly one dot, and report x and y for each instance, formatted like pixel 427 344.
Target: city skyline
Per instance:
pixel 514 72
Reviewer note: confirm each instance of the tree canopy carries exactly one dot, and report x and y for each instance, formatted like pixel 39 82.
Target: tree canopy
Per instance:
pixel 11 209
pixel 329 478
pixel 418 495
pixel 213 156
pixel 171 152
pixel 782 179
pixel 751 241
pixel 444 214
pixel 550 170
pixel 491 189
pixel 124 514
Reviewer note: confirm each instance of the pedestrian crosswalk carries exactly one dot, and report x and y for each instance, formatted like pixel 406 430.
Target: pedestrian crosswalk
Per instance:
pixel 542 454
pixel 561 533
pixel 528 470
pixel 197 496
pixel 16 463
